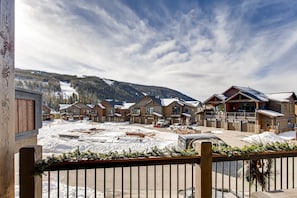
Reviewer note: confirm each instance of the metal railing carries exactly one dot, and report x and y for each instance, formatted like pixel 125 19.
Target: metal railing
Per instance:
pixel 220 176
pixel 231 115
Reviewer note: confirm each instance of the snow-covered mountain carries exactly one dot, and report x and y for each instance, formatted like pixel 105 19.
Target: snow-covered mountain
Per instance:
pixel 59 88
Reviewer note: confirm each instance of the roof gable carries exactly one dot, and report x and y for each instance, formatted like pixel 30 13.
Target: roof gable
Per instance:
pixel 215 99
pixel 242 97
pixel 252 93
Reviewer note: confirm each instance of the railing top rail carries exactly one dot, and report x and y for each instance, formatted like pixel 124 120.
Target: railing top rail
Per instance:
pixel 89 164
pixel 254 156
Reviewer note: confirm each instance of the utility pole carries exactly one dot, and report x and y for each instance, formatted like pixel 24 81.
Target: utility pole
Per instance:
pixel 7 99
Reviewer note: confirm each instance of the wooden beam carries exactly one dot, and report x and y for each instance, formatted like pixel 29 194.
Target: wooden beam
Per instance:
pixel 204 171
pixel 7 99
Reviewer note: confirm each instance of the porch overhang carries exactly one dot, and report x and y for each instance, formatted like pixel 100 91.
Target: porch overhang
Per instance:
pixel 157 114
pixel 186 115
pixel 270 113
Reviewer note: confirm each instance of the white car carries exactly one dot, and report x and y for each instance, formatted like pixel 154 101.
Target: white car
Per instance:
pixel 162 123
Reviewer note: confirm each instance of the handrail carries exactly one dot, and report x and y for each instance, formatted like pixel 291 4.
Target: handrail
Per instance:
pixel 254 156
pixel 89 164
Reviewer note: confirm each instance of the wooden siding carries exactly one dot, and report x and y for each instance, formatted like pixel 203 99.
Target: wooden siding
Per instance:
pixel 28 117
pixel 25 115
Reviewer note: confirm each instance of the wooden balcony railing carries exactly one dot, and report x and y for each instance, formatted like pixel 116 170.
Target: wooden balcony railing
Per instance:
pixel 231 115
pixel 202 176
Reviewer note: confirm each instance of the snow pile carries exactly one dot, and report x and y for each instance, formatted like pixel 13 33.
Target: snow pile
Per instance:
pixel 270 137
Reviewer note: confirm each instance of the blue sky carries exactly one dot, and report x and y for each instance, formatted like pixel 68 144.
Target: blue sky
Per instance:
pixel 196 47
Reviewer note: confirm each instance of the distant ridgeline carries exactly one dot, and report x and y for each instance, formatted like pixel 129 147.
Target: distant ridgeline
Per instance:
pixel 67 89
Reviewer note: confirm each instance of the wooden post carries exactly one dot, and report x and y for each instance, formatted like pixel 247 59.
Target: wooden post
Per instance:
pixel 30 184
pixel 204 171
pixel 7 99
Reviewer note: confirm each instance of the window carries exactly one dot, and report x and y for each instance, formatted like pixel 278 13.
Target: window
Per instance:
pixel 149 110
pixel 175 110
pixel 136 111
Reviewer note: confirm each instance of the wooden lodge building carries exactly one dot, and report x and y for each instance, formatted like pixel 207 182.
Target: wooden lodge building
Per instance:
pixel 246 109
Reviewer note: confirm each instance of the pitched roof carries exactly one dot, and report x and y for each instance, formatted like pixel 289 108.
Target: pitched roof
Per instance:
pixel 281 97
pixel 257 95
pixel 221 98
pixel 167 101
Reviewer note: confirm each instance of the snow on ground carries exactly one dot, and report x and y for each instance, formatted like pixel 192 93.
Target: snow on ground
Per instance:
pixel 270 137
pixel 62 136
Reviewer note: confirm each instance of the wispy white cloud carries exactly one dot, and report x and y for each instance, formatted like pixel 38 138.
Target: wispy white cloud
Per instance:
pixel 196 51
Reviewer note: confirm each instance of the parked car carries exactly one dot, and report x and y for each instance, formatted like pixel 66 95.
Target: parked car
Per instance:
pixel 162 123
pixel 187 141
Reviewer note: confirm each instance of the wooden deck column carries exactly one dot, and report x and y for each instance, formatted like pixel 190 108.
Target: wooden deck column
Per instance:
pixel 204 171
pixel 7 99
pixel 30 184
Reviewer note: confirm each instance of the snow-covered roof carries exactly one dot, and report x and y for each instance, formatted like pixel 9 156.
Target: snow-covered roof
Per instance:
pixel 194 103
pixel 167 101
pixel 64 106
pixel 186 114
pixel 100 105
pixel 281 97
pixel 118 114
pixel 253 93
pixel 221 97
pixel 91 106
pixel 270 113
pixel 125 105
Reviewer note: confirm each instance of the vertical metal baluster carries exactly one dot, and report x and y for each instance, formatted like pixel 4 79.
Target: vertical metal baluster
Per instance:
pixel 274 173
pixel 162 181
pixel 287 172
pixel 58 184
pixel 216 179
pixel 76 182
pixel 269 175
pixel 236 178
pixel 185 179
pixel 104 179
pixel 138 181
pixel 122 181
pixel 130 181
pixel 281 173
pixel 67 193
pixel 256 185
pixel 85 182
pixel 113 182
pixel 243 178
pixel 170 181
pixel 95 182
pixel 192 193
pixel 229 172
pixel 177 177
pixel 264 178
pixel 49 184
pixel 146 181
pixel 293 170
pixel 223 172
pixel 155 181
